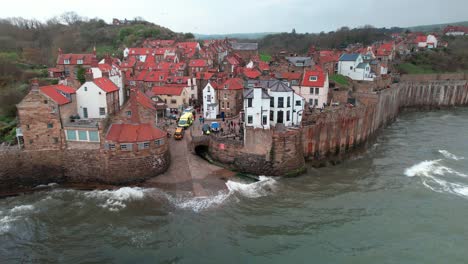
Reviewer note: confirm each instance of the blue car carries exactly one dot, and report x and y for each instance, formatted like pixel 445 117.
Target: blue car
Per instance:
pixel 215 126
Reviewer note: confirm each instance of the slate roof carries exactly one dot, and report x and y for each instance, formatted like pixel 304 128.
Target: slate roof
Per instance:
pixel 244 46
pixel 349 57
pixel 305 61
pixel 273 85
pixel 362 65
pixel 249 93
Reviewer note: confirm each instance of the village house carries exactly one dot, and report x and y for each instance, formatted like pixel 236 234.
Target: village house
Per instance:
pixel 229 95
pixel 245 50
pixel 328 60
pixel 97 99
pixel 354 67
pixel 197 65
pixel 314 87
pixel 113 73
pixel 67 65
pixel 139 108
pixel 135 139
pixel 210 101
pixel 175 97
pixel 42 113
pixel 385 52
pixel 456 31
pixel 426 42
pixel 284 107
pixel 139 53
pixel 299 63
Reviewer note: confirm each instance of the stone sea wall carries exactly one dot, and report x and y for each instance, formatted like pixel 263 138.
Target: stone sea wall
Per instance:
pixel 331 136
pixel 25 169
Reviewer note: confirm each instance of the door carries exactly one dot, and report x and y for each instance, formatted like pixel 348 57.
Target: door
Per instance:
pixel 85 112
pixel 280 117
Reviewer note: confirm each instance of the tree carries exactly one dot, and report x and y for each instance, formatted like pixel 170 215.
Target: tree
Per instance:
pixel 80 75
pixel 293 31
pixel 189 36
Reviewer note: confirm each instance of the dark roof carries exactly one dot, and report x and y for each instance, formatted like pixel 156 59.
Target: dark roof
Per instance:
pixel 249 93
pixel 306 61
pixel 349 57
pixel 362 65
pixel 244 46
pixel 273 85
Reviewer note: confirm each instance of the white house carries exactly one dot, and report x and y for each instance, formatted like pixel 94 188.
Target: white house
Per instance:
pixel 113 73
pixel 314 87
pixel 354 67
pixel 210 99
pixel 429 41
pixel 284 105
pixel 97 98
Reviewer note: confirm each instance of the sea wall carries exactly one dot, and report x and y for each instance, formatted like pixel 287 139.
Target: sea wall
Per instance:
pixel 332 135
pixel 266 152
pixel 25 169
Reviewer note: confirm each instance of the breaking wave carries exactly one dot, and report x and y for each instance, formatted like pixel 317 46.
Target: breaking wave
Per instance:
pixel 449 155
pixel 263 187
pixel 436 177
pixel 115 200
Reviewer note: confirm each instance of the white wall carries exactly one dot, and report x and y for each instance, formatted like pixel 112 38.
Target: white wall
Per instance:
pixel 209 112
pixel 91 99
pixel 260 107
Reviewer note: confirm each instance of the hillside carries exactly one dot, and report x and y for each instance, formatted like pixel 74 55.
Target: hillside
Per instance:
pixel 234 35
pixel 436 27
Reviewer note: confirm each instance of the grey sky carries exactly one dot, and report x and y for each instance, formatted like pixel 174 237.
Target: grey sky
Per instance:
pixel 245 16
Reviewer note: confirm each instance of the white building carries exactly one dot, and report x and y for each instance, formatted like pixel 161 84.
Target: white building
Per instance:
pixel 354 67
pixel 97 98
pixel 277 102
pixel 113 73
pixel 210 99
pixel 314 87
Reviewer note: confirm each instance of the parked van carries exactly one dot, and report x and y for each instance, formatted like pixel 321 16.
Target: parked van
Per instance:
pixel 185 120
pixel 179 133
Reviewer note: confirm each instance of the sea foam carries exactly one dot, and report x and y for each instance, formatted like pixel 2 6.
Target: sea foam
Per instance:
pixel 449 155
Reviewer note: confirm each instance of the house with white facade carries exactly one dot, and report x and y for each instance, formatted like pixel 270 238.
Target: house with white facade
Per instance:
pixel 314 87
pixel 284 107
pixel 429 41
pixel 113 73
pixel 97 99
pixel 210 101
pixel 354 67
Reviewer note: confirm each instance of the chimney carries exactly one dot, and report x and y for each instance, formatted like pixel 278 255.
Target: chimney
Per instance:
pixel 94 51
pixel 89 76
pixel 94 62
pixel 60 52
pixel 35 85
pixel 105 75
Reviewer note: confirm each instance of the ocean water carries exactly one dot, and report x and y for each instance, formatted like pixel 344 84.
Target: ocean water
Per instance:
pixel 403 201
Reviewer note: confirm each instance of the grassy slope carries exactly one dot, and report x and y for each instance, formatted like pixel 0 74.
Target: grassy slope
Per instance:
pixel 436 27
pixel 339 79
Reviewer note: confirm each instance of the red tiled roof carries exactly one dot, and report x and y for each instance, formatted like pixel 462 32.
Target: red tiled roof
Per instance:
pixel 421 38
pixel 73 58
pixel 198 63
pixel 385 49
pixel 263 66
pixel 251 73
pixel 291 75
pixel 232 84
pixel 55 92
pixel 204 75
pixel 326 56
pixel 156 76
pixel 167 90
pixel 320 82
pixel 144 100
pixel 131 133
pixel 106 85
pixel 105 67
pixel 233 60
pixel 187 45
pixel 139 51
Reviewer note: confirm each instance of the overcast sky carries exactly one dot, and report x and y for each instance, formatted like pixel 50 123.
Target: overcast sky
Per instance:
pixel 247 16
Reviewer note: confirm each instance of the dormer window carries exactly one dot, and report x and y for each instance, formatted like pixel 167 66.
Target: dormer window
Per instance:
pixel 79 61
pixel 66 61
pixel 161 78
pixel 313 78
pixel 169 80
pixel 179 81
pixel 225 86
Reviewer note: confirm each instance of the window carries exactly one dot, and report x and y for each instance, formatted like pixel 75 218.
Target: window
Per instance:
pixel 109 146
pixel 264 120
pixel 227 105
pixel 272 115
pixel 288 102
pixel 71 135
pixel 311 101
pixel 208 98
pixel 79 61
pixel 249 119
pixel 316 102
pixel 102 111
pixel 280 102
pixel 82 135
pixel 311 90
pixel 129 113
pixel 313 78
pixel 143 145
pixel 126 147
pixel 298 103
pixel 50 125
pixel 209 89
pixel 317 90
pixel 56 140
pixel 85 89
pixel 159 142
pixel 46 102
pixel 249 102
pixel 222 105
pixel 272 102
pixel 288 113
pixel 173 101
pixel 93 136
pixel 85 112
pixel 225 96
pixel 66 61
pixel 350 67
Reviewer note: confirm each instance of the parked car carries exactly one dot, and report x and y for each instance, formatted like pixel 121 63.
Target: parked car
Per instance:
pixel 215 127
pixel 179 133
